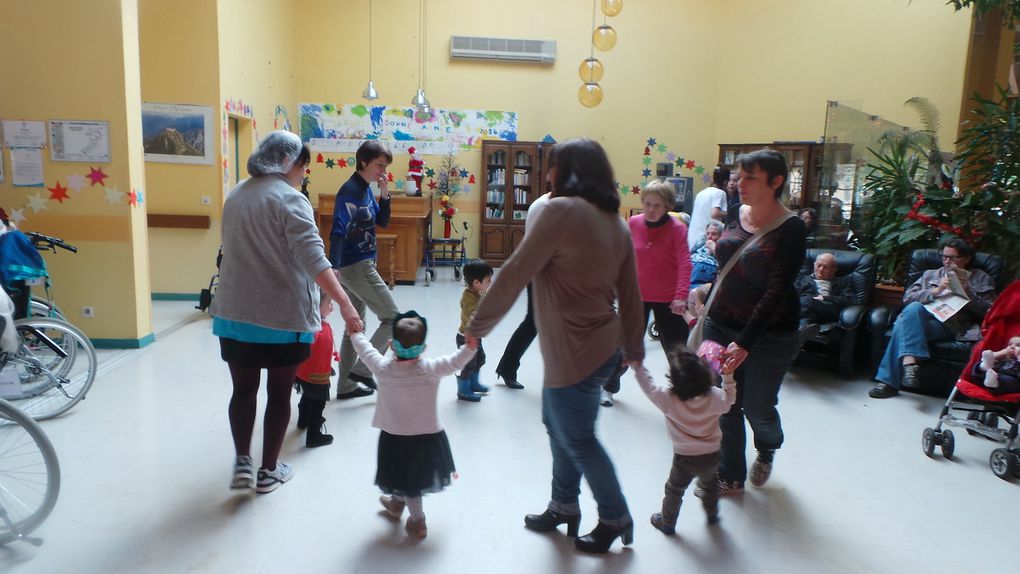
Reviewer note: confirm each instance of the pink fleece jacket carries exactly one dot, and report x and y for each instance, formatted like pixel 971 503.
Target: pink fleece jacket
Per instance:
pixel 663 261
pixel 693 424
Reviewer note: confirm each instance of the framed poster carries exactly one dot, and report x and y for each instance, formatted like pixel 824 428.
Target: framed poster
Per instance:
pixel 76 140
pixel 683 196
pixel 177 133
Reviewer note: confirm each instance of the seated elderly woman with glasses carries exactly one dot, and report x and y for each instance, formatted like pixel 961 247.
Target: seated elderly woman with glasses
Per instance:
pixel 916 326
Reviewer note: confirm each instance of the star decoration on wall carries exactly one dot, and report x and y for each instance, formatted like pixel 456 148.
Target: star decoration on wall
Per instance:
pixel 671 157
pixel 635 190
pixel 465 188
pixel 389 176
pixel 647 160
pixel 432 184
pixel 330 163
pixel 661 148
pixel 58 193
pixel 113 196
pixel 651 141
pixel 463 173
pixel 343 163
pixel 138 196
pixel 689 164
pixel 679 162
pixel 646 172
pixel 96 175
pixel 430 172
pixel 76 182
pixel 132 198
pixel 699 170
pixel 17 216
pixel 36 203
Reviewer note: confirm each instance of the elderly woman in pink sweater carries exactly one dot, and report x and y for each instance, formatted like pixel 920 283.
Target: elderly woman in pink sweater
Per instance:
pixel 663 263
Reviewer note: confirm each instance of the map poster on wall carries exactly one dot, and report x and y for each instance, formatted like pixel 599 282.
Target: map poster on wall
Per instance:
pixel 84 141
pixel 177 133
pixel 342 128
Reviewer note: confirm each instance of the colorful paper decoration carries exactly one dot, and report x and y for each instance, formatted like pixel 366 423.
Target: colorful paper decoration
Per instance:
pixel 330 163
pixel 651 141
pixel 471 178
pixel 343 163
pixel 646 172
pixel 113 195
pixel 58 193
pixel 648 150
pixel 36 203
pixel 96 175
pixel 76 182
pixel 318 158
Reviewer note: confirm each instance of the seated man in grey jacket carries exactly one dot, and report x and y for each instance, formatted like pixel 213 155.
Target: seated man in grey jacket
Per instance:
pixel 823 296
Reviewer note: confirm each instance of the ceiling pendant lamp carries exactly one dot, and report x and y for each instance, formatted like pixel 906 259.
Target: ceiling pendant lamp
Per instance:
pixel 370 92
pixel 612 7
pixel 419 101
pixel 590 94
pixel 591 70
pixel 604 37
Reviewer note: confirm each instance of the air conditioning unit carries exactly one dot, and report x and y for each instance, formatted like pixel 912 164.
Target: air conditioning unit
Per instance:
pixel 502 49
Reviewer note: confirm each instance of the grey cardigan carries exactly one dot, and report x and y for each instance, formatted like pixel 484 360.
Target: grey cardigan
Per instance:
pixel 271 254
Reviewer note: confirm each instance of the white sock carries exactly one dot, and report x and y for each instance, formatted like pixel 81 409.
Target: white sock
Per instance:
pixel 414 507
pixel 987 363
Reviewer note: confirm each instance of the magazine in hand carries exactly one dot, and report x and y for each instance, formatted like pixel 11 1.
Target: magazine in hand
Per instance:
pixel 952 300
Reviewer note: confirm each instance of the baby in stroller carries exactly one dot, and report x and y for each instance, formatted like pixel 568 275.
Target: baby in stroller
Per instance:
pixel 1000 369
pixel 988 390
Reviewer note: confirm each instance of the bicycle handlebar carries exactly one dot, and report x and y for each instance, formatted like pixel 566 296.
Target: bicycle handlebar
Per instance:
pixel 38 239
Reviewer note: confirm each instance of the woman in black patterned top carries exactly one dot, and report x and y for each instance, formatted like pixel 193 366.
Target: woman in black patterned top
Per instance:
pixel 756 314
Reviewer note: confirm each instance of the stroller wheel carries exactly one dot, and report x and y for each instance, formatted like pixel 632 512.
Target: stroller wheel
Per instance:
pixel 653 332
pixel 928 442
pixel 456 273
pixel 990 420
pixel 948 443
pixel 1002 463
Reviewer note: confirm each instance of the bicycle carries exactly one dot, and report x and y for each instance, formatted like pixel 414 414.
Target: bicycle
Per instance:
pixel 29 475
pixel 52 369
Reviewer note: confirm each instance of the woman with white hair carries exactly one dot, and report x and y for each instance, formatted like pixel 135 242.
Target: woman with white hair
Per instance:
pixel 266 309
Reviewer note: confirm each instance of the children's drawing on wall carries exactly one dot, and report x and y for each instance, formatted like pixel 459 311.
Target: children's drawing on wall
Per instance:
pixel 177 133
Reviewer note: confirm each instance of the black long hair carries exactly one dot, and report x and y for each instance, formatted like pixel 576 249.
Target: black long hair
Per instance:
pixel 583 170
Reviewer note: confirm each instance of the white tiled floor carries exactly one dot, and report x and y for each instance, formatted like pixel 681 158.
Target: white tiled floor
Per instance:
pixel 145 462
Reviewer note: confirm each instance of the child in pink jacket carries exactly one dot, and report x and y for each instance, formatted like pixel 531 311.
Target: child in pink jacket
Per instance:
pixel 692 405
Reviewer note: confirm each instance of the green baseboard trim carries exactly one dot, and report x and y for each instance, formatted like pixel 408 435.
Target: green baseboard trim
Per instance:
pixel 124 343
pixel 175 296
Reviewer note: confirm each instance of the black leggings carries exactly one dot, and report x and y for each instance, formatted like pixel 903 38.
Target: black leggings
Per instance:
pixel 243 404
pixel 672 328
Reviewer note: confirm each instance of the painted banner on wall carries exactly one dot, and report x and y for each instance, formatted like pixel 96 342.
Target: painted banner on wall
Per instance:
pixel 342 128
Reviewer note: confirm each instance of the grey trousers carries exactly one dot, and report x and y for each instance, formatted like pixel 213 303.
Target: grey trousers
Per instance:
pixel 365 288
pixel 685 469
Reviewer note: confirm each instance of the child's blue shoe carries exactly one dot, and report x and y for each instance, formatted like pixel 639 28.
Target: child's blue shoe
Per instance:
pixel 464 391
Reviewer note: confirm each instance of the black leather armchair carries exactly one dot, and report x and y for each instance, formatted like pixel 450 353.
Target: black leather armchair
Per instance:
pixel 948 358
pixel 840 338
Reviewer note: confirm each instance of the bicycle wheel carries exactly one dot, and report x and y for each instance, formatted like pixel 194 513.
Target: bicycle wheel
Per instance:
pixel 29 474
pixel 55 364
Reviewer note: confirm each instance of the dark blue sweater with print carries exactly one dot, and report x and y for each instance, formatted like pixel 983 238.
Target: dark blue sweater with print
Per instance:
pixel 355 215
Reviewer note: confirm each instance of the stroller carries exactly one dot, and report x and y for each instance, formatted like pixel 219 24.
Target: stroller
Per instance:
pixel 981 410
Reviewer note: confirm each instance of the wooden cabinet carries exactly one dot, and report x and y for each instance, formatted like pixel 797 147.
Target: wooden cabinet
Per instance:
pixel 514 176
pixel 409 218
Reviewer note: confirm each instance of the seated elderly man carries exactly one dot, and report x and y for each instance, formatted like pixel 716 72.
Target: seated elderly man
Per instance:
pixel 916 326
pixel 822 295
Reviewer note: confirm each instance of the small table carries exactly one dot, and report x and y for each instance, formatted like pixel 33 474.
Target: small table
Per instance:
pixel 388 241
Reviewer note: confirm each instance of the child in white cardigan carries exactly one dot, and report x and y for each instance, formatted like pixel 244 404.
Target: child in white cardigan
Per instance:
pixel 414 454
pixel 692 405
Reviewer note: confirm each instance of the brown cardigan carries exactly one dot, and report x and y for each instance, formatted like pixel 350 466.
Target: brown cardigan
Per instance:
pixel 580 261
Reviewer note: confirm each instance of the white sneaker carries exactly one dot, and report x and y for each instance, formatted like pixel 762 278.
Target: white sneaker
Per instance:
pixel 244 473
pixel 270 480
pixel 607 398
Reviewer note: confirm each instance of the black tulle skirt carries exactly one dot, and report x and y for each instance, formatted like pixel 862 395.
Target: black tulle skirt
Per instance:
pixel 414 465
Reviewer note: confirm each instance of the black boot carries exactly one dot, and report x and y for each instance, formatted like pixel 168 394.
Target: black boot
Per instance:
pixel 316 436
pixel 302 409
pixel 599 540
pixel 549 520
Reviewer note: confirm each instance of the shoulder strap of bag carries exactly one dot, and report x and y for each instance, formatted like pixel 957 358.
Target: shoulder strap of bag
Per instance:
pixel 773 225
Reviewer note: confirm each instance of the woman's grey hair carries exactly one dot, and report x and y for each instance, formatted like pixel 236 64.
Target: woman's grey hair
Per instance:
pixel 715 224
pixel 276 153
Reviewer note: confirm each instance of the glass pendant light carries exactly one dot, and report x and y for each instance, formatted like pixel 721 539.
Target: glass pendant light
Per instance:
pixel 612 7
pixel 590 94
pixel 591 70
pixel 604 37
pixel 370 92
pixel 422 106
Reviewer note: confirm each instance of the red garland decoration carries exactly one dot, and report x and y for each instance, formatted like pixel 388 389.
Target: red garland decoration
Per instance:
pixel 915 214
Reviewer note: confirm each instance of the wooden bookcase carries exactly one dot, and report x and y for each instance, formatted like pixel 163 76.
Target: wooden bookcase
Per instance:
pixel 513 176
pixel 807 174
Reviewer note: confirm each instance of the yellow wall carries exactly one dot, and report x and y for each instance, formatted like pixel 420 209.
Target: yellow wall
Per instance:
pixel 682 71
pixel 783 60
pixel 88 52
pixel 180 65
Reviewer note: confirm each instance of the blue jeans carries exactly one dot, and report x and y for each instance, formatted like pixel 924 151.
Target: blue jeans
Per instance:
pixel 569 415
pixel 758 380
pixel 914 329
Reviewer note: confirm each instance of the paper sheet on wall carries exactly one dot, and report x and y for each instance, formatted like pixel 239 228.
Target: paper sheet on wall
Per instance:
pixel 26 167
pixel 24 134
pixel 76 140
pixel 1 168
